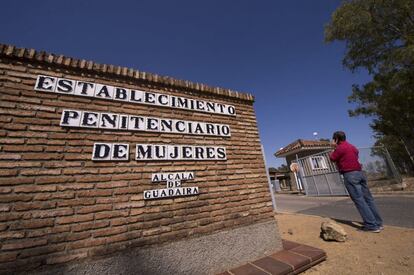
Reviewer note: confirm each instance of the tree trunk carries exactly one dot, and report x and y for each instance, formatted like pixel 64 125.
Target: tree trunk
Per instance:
pixel 407 149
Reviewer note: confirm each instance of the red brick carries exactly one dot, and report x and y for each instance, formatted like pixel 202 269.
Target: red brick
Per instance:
pixel 31 120
pixel 75 186
pixel 58 179
pixel 58 164
pixel 45 115
pixel 41 156
pixel 86 243
pixel 52 213
pixel 23 244
pixel 77 236
pixel 114 170
pixel 21 75
pixel 34 206
pixel 113 214
pixel 89 226
pixel 54 148
pixel 9 105
pixel 5 119
pixel 30 135
pixel 76 202
pixel 65 258
pixel 10 156
pixel 8 172
pixel 36 107
pixel 73 149
pixel 95 178
pixel 10 216
pixel 117 238
pixel 34 189
pixel 15 181
pixel 74 219
pixel 135 212
pixel 59 229
pixel 94 208
pixel 106 200
pixel 8 256
pixel 124 177
pixel 21 164
pixel 5 190
pixel 14 127
pixel 22 148
pixel 110 231
pixel 49 249
pixel 53 196
pixel 5 208
pixel 111 184
pixel 129 205
pixel 47 231
pixel 42 141
pixel 35 172
pixel 80 171
pixel 12 141
pixel 14 198
pixel 77 157
pixel 22 99
pixel 139 197
pixel 156 231
pixel 31 224
pixel 11 235
pixel 128 190
pixel 45 128
pixel 95 193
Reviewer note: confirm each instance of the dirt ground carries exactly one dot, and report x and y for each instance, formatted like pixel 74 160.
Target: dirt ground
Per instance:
pixel 390 252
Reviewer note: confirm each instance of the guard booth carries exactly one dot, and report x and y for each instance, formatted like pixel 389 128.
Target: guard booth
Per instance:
pixel 320 177
pixel 300 149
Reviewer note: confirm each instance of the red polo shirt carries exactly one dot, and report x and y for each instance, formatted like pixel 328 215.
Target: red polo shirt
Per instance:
pixel 346 157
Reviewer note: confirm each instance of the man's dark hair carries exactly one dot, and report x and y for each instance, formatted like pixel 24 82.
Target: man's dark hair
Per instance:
pixel 339 136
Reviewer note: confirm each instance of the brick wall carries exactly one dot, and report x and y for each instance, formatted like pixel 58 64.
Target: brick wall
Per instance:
pixel 57 205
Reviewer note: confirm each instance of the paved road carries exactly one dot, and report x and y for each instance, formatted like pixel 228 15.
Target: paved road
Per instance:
pixel 397 210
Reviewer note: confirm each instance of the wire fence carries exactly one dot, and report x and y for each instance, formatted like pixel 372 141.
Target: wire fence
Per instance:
pixel 379 168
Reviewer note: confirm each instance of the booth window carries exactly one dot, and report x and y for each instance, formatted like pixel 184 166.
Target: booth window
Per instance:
pixel 318 162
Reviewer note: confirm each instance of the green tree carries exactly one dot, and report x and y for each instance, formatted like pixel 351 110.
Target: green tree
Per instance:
pixel 379 37
pixel 282 168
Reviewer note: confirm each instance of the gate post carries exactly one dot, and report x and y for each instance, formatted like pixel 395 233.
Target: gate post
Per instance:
pixel 301 176
pixel 272 193
pixel 392 166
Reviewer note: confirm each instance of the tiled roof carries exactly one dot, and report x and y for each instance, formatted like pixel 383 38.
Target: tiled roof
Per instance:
pixel 273 170
pixel 293 259
pixel 302 144
pixel 32 55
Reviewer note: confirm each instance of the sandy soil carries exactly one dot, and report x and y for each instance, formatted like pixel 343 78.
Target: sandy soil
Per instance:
pixel 389 252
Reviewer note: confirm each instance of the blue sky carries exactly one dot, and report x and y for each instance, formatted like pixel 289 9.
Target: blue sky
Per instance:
pixel 272 49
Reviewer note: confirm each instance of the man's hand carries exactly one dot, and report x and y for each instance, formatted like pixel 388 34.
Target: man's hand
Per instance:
pixel 333 143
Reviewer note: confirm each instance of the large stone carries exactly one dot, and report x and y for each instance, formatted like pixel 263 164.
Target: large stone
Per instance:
pixel 331 231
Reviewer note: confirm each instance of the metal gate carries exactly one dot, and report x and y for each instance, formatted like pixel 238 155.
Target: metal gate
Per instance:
pixel 320 176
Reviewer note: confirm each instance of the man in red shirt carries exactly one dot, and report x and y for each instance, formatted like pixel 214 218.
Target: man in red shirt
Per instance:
pixel 345 156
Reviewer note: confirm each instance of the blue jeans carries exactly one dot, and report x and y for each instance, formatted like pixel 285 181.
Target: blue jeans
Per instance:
pixel 356 184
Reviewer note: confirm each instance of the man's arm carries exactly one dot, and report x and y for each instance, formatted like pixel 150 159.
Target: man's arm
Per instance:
pixel 335 155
